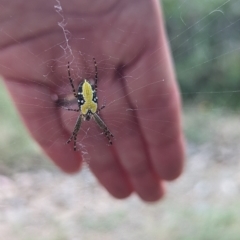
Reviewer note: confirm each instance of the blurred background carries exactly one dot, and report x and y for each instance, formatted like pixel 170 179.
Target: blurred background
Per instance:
pixel 37 201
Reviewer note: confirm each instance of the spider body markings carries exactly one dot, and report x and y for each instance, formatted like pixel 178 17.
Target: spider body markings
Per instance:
pixel 87 106
pixel 87 99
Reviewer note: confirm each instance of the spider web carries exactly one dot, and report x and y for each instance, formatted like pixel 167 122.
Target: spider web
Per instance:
pixel 93 213
pixel 82 67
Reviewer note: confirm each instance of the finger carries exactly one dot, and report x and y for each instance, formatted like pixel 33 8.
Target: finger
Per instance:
pixel 99 156
pixel 133 154
pixel 109 172
pixel 158 111
pixel 42 119
pixel 130 147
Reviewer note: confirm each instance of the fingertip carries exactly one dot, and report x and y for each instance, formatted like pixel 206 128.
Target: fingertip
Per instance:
pixel 121 193
pixel 117 186
pixel 113 179
pixel 169 165
pixel 64 157
pixel 155 195
pixel 71 169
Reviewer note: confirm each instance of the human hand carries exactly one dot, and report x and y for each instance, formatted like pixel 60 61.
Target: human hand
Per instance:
pixel 136 77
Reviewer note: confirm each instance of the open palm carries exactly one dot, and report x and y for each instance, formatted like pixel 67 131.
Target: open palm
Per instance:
pixel 145 150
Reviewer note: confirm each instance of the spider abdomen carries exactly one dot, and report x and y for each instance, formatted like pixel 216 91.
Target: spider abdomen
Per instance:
pixel 87 98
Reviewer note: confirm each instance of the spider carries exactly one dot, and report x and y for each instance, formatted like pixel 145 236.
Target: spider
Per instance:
pixel 88 106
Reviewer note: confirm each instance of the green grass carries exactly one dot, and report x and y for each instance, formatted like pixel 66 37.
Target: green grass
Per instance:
pixel 171 221
pixel 212 223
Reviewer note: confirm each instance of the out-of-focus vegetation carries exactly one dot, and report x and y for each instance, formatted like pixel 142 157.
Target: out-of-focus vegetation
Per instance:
pixel 204 38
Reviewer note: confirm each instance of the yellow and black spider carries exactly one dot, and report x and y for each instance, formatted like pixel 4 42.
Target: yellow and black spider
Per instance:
pixel 87 105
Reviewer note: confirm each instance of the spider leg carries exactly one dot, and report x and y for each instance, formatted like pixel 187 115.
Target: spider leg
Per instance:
pixel 102 107
pixel 103 126
pixel 71 82
pixel 96 74
pixel 75 132
pixel 71 109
